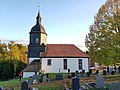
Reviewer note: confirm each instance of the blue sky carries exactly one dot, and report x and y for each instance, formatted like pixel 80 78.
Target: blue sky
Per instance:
pixel 65 21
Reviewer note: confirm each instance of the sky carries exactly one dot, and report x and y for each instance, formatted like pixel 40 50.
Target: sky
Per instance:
pixel 65 21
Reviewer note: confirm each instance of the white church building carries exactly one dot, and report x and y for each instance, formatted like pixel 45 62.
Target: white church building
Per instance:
pixel 52 58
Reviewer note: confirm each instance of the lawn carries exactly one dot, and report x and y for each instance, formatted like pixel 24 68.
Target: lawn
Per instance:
pixel 15 83
pixel 57 85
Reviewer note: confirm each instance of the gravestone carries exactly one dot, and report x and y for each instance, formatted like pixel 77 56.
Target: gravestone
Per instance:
pixel 1 88
pixel 44 78
pixel 104 72
pixel 59 77
pixel 88 74
pixel 75 83
pixel 30 80
pixel 72 74
pixel 90 71
pixel 68 71
pixel 83 71
pixel 76 72
pixel 33 79
pixel 47 75
pixel 119 69
pixel 24 85
pixel 108 69
pixel 113 72
pixel 35 76
pixel 99 82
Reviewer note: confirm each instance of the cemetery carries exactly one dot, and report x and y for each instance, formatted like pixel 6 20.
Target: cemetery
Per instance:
pixel 66 81
pixel 46 66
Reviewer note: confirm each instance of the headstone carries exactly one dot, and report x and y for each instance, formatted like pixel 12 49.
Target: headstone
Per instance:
pixel 88 74
pixel 72 74
pixel 90 71
pixel 24 85
pixel 30 80
pixel 35 76
pixel 76 72
pixel 68 71
pixel 47 75
pixel 119 69
pixel 59 77
pixel 75 83
pixel 1 88
pixel 83 71
pixel 33 79
pixel 115 68
pixel 99 82
pixel 113 72
pixel 104 72
pixel 108 69
pixel 44 78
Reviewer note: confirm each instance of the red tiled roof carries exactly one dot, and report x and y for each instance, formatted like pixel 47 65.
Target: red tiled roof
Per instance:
pixel 63 50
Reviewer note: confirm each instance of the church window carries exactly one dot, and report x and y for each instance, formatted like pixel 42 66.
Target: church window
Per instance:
pixel 80 64
pixel 37 40
pixel 49 62
pixel 65 64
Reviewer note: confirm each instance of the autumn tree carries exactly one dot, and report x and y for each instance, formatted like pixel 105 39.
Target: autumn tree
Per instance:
pixel 14 52
pixel 23 52
pixel 13 59
pixel 103 40
pixel 3 51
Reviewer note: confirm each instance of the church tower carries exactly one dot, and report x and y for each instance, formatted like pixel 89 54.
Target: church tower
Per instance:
pixel 37 41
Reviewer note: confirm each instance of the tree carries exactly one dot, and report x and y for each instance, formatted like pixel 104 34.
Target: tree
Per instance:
pixel 103 40
pixel 12 60
pixel 14 52
pixel 17 52
pixel 20 66
pixel 23 52
pixel 3 51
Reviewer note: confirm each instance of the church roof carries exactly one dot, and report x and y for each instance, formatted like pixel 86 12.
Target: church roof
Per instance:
pixel 38 28
pixel 63 50
pixel 31 68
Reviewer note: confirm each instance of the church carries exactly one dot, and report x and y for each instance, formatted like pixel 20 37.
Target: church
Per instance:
pixel 52 58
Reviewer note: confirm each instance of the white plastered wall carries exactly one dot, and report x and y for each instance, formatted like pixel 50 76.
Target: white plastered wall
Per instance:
pixel 57 63
pixel 31 59
pixel 28 74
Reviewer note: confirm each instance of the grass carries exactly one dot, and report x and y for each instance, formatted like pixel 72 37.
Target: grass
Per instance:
pixel 51 88
pixel 15 83
pixel 56 85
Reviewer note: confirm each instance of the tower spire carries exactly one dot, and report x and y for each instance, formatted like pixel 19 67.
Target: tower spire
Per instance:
pixel 38 21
